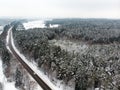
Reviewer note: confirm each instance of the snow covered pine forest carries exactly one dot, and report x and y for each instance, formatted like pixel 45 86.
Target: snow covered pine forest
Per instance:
pixel 69 54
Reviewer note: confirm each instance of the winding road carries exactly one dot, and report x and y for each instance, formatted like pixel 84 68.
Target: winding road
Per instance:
pixel 30 71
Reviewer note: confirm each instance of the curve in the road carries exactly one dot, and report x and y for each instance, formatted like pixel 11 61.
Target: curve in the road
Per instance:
pixel 31 72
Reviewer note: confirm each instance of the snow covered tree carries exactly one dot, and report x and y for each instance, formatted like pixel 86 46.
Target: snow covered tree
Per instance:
pixel 18 78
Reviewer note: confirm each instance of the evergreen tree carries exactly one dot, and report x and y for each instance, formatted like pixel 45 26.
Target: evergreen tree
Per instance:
pixel 18 78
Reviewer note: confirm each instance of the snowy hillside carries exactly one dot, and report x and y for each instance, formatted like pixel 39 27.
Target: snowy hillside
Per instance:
pixel 5 85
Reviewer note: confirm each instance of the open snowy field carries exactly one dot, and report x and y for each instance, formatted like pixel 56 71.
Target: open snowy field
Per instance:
pixel 38 24
pixel 34 24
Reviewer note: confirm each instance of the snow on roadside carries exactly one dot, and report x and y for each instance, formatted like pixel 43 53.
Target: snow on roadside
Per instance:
pixel 34 24
pixel 37 87
pixel 7 40
pixel 3 80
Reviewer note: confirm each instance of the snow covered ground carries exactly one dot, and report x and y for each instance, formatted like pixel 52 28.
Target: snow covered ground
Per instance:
pixel 34 24
pixel 6 85
pixel 79 47
pixel 7 39
pixel 54 25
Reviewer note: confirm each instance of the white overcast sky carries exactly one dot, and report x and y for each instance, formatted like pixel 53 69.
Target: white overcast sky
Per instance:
pixel 61 8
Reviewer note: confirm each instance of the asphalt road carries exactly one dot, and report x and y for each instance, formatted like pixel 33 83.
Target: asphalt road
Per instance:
pixel 30 71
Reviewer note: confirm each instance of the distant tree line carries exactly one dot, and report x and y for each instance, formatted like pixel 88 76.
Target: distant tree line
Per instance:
pixel 102 31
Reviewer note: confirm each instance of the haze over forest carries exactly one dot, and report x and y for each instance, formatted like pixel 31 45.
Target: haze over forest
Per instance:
pixel 60 8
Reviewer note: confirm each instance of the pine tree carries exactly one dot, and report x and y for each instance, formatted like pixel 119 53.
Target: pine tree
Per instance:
pixel 18 78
